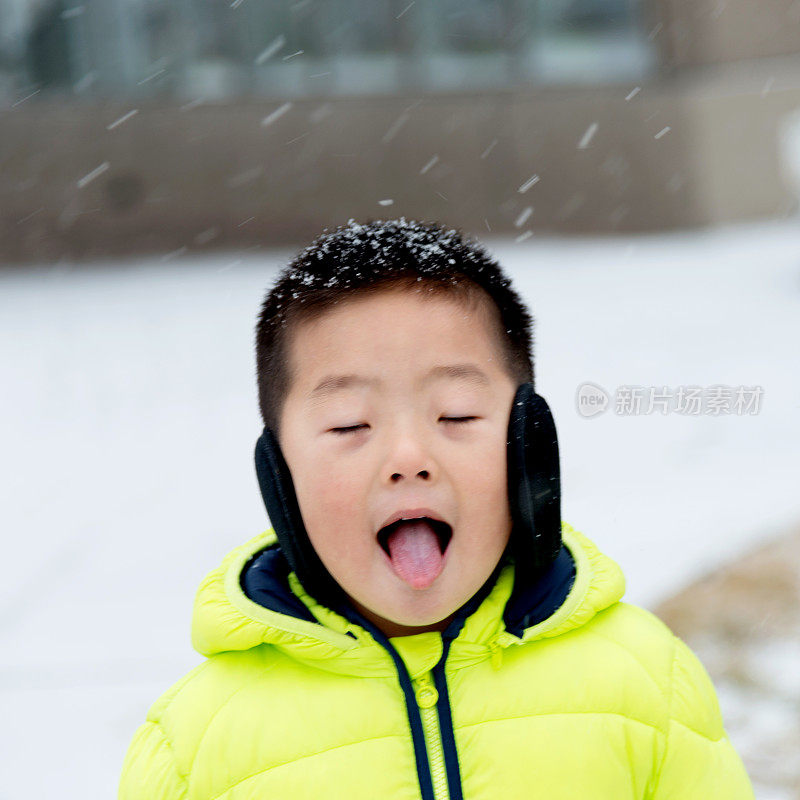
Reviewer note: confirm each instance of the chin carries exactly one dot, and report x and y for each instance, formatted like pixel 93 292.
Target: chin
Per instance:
pixel 403 614
pixel 421 620
pixel 424 612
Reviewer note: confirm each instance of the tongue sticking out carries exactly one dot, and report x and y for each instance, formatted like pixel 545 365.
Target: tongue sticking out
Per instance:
pixel 416 557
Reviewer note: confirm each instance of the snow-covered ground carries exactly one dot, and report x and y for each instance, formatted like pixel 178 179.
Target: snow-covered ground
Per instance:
pixel 129 416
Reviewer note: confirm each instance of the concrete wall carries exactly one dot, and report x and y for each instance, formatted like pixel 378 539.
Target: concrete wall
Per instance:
pixel 695 32
pixel 214 176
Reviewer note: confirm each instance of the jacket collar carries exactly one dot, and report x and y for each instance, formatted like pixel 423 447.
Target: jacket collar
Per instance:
pixel 265 580
pixel 253 599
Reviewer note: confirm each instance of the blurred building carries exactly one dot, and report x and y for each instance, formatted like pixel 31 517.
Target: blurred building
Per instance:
pixel 173 127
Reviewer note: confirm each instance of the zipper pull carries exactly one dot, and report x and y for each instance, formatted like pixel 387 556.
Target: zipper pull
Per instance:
pixel 426 693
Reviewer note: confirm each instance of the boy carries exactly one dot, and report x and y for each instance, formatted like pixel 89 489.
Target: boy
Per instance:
pixel 420 623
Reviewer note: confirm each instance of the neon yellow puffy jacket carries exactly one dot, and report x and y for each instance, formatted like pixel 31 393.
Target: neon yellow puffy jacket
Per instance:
pixel 597 701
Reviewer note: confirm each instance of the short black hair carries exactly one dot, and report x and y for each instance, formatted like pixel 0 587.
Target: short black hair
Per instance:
pixel 379 254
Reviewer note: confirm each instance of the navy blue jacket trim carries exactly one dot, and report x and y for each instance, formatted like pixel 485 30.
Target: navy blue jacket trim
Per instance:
pixel 264 580
pixel 446 727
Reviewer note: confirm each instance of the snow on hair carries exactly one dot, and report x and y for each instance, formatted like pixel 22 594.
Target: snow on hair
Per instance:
pixel 359 257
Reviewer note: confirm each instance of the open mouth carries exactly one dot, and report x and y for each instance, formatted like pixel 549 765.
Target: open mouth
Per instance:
pixel 444 533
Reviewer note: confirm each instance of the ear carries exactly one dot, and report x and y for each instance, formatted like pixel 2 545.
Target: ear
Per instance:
pixel 534 481
pixel 280 499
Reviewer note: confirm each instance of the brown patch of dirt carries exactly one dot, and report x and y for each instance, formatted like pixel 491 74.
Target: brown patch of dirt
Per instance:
pixel 743 622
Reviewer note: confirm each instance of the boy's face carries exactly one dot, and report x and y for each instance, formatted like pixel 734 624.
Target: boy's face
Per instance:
pixel 398 410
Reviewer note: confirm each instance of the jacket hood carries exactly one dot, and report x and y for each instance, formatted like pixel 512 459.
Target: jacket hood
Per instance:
pixel 227 619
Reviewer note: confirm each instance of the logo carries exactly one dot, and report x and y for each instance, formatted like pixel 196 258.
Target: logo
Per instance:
pixel 591 399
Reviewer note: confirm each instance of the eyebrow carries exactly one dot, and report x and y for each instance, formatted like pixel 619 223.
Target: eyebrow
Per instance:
pixel 335 383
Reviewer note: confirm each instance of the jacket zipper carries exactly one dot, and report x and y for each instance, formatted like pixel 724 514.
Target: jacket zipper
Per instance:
pixel 428 710
pixel 445 719
pixel 415 719
pixel 427 698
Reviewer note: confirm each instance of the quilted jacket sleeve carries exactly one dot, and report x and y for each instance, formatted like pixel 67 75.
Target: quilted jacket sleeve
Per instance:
pixel 699 761
pixel 150 771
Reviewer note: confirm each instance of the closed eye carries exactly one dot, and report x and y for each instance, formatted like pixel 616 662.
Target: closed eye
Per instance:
pixel 349 428
pixel 345 429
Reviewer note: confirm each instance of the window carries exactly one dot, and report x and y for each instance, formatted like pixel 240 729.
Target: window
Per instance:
pixel 209 49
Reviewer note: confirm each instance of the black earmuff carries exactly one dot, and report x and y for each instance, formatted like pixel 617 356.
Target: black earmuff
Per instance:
pixel 277 489
pixel 534 493
pixel 534 483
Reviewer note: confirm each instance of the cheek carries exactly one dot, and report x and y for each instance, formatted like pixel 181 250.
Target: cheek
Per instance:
pixel 485 489
pixel 490 467
pixel 494 484
pixel 330 497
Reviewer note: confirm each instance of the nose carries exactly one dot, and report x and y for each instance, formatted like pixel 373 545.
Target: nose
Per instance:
pixel 408 459
pixel 396 477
